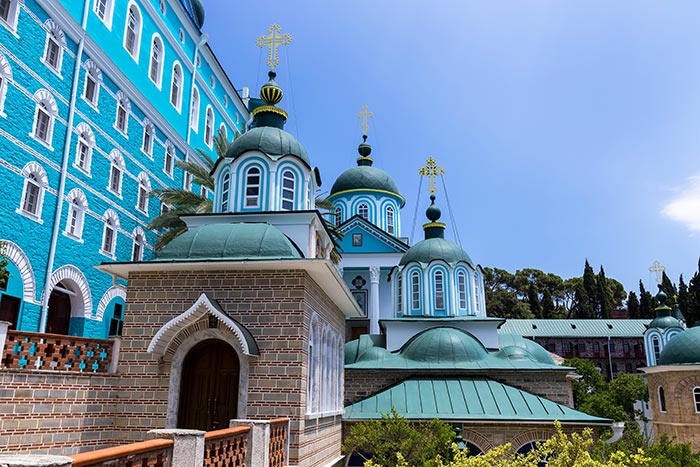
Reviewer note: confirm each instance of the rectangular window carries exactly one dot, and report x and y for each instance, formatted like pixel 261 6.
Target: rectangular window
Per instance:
pixel 187 183
pixel 462 287
pixel 53 51
pixel 121 118
pixel 143 196
pixel 90 89
pixel 115 179
pixel 5 10
pixel 101 8
pixel 415 292
pixel 42 125
pixel 399 305
pixel 136 254
pixel 596 347
pixel 107 242
pixel 169 162
pixel 147 146
pixel 115 326
pixel 82 155
pixel 439 291
pixel 31 198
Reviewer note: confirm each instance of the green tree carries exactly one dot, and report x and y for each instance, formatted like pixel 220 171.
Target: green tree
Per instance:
pixel 693 314
pixel 667 286
pixel 646 303
pixel 418 443
pixel 683 298
pixel 605 301
pixel 633 305
pixel 4 263
pixel 533 299
pixel 548 308
pixel 589 302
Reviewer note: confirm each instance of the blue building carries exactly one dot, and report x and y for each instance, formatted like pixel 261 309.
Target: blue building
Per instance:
pixel 98 100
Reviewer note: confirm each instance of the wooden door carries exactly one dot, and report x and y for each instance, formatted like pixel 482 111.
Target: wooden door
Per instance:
pixel 58 320
pixel 209 387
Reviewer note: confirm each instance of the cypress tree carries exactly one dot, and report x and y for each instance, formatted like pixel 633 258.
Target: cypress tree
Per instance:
pixel 646 303
pixel 605 296
pixel 548 308
pixel 693 314
pixel 533 299
pixel 633 305
pixel 683 298
pixel 589 306
pixel 668 287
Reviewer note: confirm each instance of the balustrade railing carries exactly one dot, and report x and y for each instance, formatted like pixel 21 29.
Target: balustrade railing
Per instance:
pixel 226 448
pixel 279 432
pixel 153 453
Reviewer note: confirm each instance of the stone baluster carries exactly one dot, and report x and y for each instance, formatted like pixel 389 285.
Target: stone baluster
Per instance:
pixel 188 446
pixel 29 460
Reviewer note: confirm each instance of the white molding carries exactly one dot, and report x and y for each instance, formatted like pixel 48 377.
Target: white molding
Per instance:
pixel 108 296
pixel 16 255
pixel 75 275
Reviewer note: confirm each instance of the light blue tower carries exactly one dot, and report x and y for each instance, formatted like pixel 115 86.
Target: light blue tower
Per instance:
pixel 98 99
pixel 661 330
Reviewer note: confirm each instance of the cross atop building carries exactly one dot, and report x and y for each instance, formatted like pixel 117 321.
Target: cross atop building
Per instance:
pixel 274 39
pixel 431 170
pixel 659 269
pixel 364 115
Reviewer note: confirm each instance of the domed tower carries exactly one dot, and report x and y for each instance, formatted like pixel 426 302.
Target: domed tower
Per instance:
pixel 368 192
pixel 265 169
pixel 661 329
pixel 436 277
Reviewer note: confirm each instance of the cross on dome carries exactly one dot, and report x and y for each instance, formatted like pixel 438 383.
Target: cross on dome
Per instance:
pixel 274 39
pixel 431 170
pixel 659 269
pixel 364 115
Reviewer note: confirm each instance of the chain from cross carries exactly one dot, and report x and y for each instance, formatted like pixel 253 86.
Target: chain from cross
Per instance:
pixel 274 39
pixel 364 115
pixel 659 269
pixel 431 170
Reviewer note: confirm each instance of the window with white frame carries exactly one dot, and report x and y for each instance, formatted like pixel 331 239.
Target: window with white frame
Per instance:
pixel 696 398
pixel 9 10
pixel 155 70
pixel 477 292
pixel 44 116
pixel 225 192
pixel 390 225
pixel 54 45
pixel 148 137
pixel 223 131
pixel 83 150
pixel 252 188
pixel 209 127
pixel 116 172
pixel 462 289
pixel 656 348
pixel 162 6
pixel 363 210
pixel 35 183
pixel 399 293
pixel 132 31
pixel 439 284
pixel 103 10
pixel 121 123
pixel 93 78
pixel 194 110
pixel 415 290
pixel 5 78
pixel 176 87
pixel 142 194
pixel 109 233
pixel 139 241
pixel 187 181
pixel 288 182
pixel 77 206
pixel 169 159
pixel 338 216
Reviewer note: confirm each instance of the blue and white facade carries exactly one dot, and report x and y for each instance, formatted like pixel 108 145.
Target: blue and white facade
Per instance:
pixel 98 99
pixel 660 331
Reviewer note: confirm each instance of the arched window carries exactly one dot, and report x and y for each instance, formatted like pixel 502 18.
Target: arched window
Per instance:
pixel 148 132
pixel 132 32
pixel 93 78
pixel 194 110
pixel 477 292
pixel 155 71
pixel 53 48
pixel 169 159
pixel 662 400
pixel 656 347
pixel 252 188
pixel 288 186
pixel 462 289
pixel 115 172
pixel 338 216
pixel 415 290
pixel 121 122
pixel 399 293
pixel 35 183
pixel 439 284
pixel 76 213
pixel 390 225
pixel 139 241
pixel 225 192
pixel 83 149
pixel 209 127
pixel 5 78
pixel 103 10
pixel 363 211
pixel 176 87
pixel 45 113
pixel 223 131
pixel 109 234
pixel 8 13
pixel 696 398
pixel 142 196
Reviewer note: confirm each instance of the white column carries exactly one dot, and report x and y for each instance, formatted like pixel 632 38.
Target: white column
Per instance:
pixel 373 313
pixel 4 326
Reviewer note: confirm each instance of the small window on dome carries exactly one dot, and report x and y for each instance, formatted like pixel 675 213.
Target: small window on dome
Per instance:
pixel 399 297
pixel 656 346
pixel 415 291
pixel 390 226
pixel 288 185
pixel 363 211
pixel 225 189
pixel 439 279
pixel 252 188
pixel 338 216
pixel 462 290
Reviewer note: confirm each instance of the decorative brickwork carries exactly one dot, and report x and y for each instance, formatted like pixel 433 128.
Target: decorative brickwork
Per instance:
pixel 29 351
pixel 153 453
pixel 226 448
pixel 278 442
pixel 681 419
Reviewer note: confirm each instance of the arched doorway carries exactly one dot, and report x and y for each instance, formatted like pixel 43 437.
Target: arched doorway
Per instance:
pixel 58 320
pixel 209 388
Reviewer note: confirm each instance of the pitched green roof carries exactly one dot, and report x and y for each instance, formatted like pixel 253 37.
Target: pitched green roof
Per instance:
pixel 465 398
pixel 575 327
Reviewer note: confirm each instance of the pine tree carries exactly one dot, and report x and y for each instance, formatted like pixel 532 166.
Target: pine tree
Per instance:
pixel 683 298
pixel 533 299
pixel 548 308
pixel 646 303
pixel 693 314
pixel 668 287
pixel 605 296
pixel 633 305
pixel 589 307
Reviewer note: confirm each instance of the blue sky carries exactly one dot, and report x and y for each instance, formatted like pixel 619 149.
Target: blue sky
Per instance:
pixel 568 130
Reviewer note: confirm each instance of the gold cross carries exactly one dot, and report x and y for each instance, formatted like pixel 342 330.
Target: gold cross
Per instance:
pixel 431 170
pixel 364 115
pixel 272 41
pixel 659 269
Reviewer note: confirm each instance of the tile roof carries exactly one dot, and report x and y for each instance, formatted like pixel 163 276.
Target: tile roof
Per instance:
pixel 575 327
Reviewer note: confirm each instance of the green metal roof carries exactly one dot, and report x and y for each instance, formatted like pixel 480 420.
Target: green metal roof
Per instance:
pixel 465 398
pixel 443 345
pixel 365 177
pixel 272 141
pixel 237 241
pixel 509 344
pixel 438 248
pixel 575 327
pixel 683 348
pixel 665 322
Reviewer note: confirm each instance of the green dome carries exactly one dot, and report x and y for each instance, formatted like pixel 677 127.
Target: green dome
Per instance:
pixel 239 241
pixel 373 354
pixel 683 348
pixel 444 345
pixel 272 141
pixel 533 349
pixel 431 249
pixel 364 177
pixel 664 322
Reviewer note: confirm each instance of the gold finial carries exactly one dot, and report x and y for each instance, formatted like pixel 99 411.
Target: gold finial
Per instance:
pixel 272 41
pixel 659 269
pixel 364 115
pixel 431 170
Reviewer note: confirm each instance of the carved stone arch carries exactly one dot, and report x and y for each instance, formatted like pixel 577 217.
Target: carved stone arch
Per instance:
pixel 112 293
pixel 93 70
pixel 81 303
pixel 38 171
pixel 123 100
pixel 45 97
pixel 76 194
pixel 530 436
pixel 477 439
pixel 116 157
pixel 16 255
pixel 685 385
pixel 205 313
pixel 5 69
pixel 85 132
pixel 53 29
pixel 144 180
pixel 111 216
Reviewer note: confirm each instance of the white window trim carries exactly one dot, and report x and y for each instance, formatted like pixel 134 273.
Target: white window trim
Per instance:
pixel 125 131
pixel 121 180
pixel 12 16
pixel 194 112
pixel 159 81
pixel 169 153
pixel 88 156
pixel 148 150
pixel 696 398
pixel 181 85
pixel 291 200
pixel 92 103
pixel 81 208
pixel 6 76
pixel 42 182
pixel 210 140
pixel 145 184
pixel 138 234
pixel 137 32
pixel 109 11
pixel 59 60
pixel 49 132
pixel 110 216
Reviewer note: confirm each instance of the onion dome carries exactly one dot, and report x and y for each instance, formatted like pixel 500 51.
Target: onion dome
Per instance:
pixel 364 176
pixel 233 242
pixel 435 247
pixel 683 348
pixel 677 313
pixel 444 345
pixel 663 319
pixel 533 349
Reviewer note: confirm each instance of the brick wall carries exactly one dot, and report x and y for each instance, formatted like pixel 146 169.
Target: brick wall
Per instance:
pixel 681 420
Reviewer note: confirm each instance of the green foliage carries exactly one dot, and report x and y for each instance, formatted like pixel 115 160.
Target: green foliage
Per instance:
pixel 633 306
pixel 418 443
pixel 646 303
pixel 4 263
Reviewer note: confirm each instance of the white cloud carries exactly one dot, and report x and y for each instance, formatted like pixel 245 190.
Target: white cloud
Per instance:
pixel 685 206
